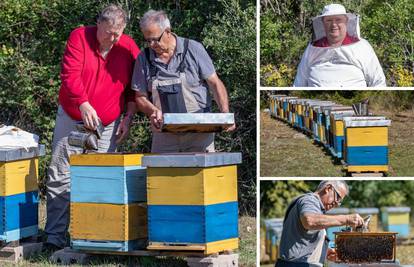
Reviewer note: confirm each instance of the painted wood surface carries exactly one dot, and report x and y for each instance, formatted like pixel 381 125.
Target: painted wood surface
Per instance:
pixel 19 211
pixel 116 185
pixel 19 176
pixel 192 224
pixel 111 222
pixel 192 186
pixel 106 159
pixel 20 233
pixel 367 136
pixel 367 155
pixel 102 245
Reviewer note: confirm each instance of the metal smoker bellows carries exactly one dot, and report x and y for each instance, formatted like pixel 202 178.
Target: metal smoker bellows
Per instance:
pixel 85 138
pixel 365 247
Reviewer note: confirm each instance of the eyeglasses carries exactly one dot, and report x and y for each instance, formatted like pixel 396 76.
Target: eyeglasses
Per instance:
pixel 338 198
pixel 154 40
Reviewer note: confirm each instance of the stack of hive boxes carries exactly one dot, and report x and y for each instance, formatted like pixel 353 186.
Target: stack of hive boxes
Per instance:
pixel 19 193
pixel 327 111
pixel 192 201
pixel 338 132
pixel 396 219
pixel 271 236
pixel 108 195
pixel 366 140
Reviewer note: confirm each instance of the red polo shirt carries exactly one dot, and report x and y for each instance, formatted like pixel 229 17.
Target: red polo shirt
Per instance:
pixel 323 42
pixel 87 76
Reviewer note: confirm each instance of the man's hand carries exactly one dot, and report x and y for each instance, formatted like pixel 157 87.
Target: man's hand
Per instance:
pixel 89 117
pixel 123 129
pixel 331 254
pixel 156 120
pixel 354 220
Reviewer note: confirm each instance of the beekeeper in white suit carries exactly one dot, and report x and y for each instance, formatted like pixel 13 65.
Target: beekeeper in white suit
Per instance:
pixel 338 56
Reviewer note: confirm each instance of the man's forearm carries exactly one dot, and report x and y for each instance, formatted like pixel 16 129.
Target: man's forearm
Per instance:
pixel 144 105
pixel 221 97
pixel 321 221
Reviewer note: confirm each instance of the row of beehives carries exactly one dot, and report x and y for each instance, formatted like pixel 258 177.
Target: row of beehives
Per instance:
pixel 361 141
pixel 175 201
pixel 393 219
pixel 171 201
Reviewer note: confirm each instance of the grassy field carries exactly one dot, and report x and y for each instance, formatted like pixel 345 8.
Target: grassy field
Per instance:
pixel 247 251
pixel 285 152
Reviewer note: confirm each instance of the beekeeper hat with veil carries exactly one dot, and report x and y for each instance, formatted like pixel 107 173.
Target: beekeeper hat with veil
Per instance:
pixel 351 64
pixel 335 10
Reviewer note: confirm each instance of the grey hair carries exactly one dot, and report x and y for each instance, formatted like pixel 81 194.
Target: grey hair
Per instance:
pixel 113 14
pixel 335 183
pixel 153 16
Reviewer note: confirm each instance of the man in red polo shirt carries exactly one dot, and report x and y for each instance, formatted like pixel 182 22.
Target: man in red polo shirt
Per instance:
pixel 96 72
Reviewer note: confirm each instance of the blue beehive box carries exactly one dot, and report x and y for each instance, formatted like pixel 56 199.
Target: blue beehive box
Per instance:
pixel 99 179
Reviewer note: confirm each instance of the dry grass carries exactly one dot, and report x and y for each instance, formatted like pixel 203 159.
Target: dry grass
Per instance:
pixel 285 152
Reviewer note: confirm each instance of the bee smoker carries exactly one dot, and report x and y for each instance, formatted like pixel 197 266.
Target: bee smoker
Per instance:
pixel 85 138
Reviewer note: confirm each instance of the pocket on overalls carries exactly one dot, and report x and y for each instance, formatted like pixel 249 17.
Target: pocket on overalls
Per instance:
pixel 171 98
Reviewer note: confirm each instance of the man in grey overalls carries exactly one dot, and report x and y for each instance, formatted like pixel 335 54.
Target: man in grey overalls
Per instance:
pixel 303 242
pixel 174 75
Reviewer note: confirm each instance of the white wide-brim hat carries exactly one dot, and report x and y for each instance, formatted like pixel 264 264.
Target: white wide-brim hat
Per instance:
pixel 334 10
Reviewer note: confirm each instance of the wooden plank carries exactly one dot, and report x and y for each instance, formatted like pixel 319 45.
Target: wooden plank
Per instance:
pixel 106 159
pixel 367 174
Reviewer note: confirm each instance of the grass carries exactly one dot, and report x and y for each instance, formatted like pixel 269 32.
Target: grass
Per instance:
pixel 247 251
pixel 285 152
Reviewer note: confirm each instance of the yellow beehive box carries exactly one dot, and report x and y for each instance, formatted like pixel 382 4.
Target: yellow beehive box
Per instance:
pixel 18 176
pixel 367 136
pixel 112 222
pixel 106 159
pixel 191 186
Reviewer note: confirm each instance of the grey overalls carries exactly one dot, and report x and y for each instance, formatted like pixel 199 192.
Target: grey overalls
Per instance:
pixel 176 96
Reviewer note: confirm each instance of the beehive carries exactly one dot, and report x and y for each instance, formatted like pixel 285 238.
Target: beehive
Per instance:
pixel 269 224
pixel 396 219
pixel 273 104
pixel 374 212
pixel 366 144
pixel 356 247
pixel 285 106
pixel 275 235
pixel 19 193
pixel 192 201
pixel 108 195
pixel 331 230
pixel 337 131
pixel 326 121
